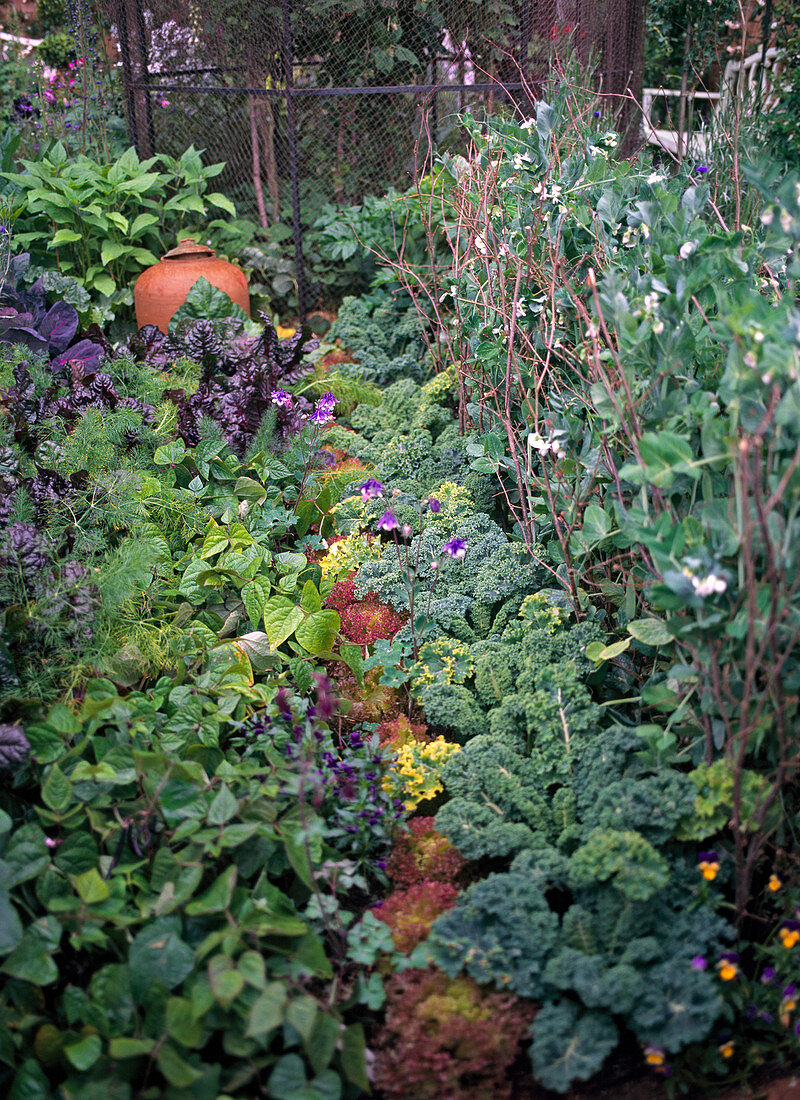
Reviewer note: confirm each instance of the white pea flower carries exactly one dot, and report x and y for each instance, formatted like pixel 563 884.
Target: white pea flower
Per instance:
pixel 536 443
pixel 658 328
pixel 767 217
pixel 686 249
pixel 655 177
pixel 712 585
pixel 651 302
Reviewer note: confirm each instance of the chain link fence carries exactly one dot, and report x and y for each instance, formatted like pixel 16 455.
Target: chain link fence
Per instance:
pixel 316 101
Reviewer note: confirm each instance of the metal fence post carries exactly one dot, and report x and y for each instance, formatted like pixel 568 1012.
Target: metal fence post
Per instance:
pixel 291 127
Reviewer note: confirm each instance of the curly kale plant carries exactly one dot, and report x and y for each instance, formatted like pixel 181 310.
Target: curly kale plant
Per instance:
pixel 591 918
pixel 464 599
pixel 385 339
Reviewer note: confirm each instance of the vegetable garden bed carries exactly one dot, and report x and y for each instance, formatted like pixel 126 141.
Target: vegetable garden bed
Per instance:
pixel 414 713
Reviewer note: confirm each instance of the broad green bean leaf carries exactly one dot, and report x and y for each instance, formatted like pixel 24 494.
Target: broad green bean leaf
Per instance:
pixel 216 540
pixel 252 967
pixel 10 925
pixel 351 655
pixel 281 619
pixel 218 896
pixel 268 1011
pixel 301 670
pixel 30 962
pixel 223 808
pixel 226 981
pixel 289 561
pixel 247 488
pixel 25 857
pixel 301 1013
pixel 56 790
pixel 255 595
pixel 178 1072
pixel 651 631
pixel 597 652
pixel 318 632
pixel 84 1053
pixel 170 454
pixel 130 1048
pixel 46 745
pixel 159 954
pixel 324 1038
pixel 354 1062
pixel 310 599
pixel 90 887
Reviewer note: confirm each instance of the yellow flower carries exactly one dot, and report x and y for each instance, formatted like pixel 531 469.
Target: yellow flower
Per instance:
pixel 709 869
pixel 417 772
pixel 774 883
pixel 726 1050
pixel 789 937
pixel 728 967
pixel 654 1056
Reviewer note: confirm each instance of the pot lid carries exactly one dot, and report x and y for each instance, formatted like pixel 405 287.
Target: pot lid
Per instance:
pixel 187 249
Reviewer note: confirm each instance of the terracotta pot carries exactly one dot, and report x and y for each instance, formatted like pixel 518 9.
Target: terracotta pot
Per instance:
pixel 161 289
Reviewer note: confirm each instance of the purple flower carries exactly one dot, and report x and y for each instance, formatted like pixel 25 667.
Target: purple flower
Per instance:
pixel 371 488
pixel 323 410
pixel 388 522
pixel 281 398
pixel 434 505
pixel 699 963
pixel 701 169
pixel 596 114
pixel 797 1028
pixel 767 975
pixel 456 548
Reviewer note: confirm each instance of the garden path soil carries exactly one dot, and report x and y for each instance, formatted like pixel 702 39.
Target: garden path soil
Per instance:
pixel 783 1088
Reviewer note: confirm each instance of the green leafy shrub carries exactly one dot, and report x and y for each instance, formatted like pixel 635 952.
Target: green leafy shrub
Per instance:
pixel 170 869
pixel 104 223
pixel 57 49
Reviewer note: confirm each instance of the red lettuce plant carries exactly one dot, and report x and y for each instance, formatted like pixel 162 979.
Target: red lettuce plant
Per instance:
pixel 398 731
pixel 423 854
pixel 410 913
pixel 448 1038
pixel 363 620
